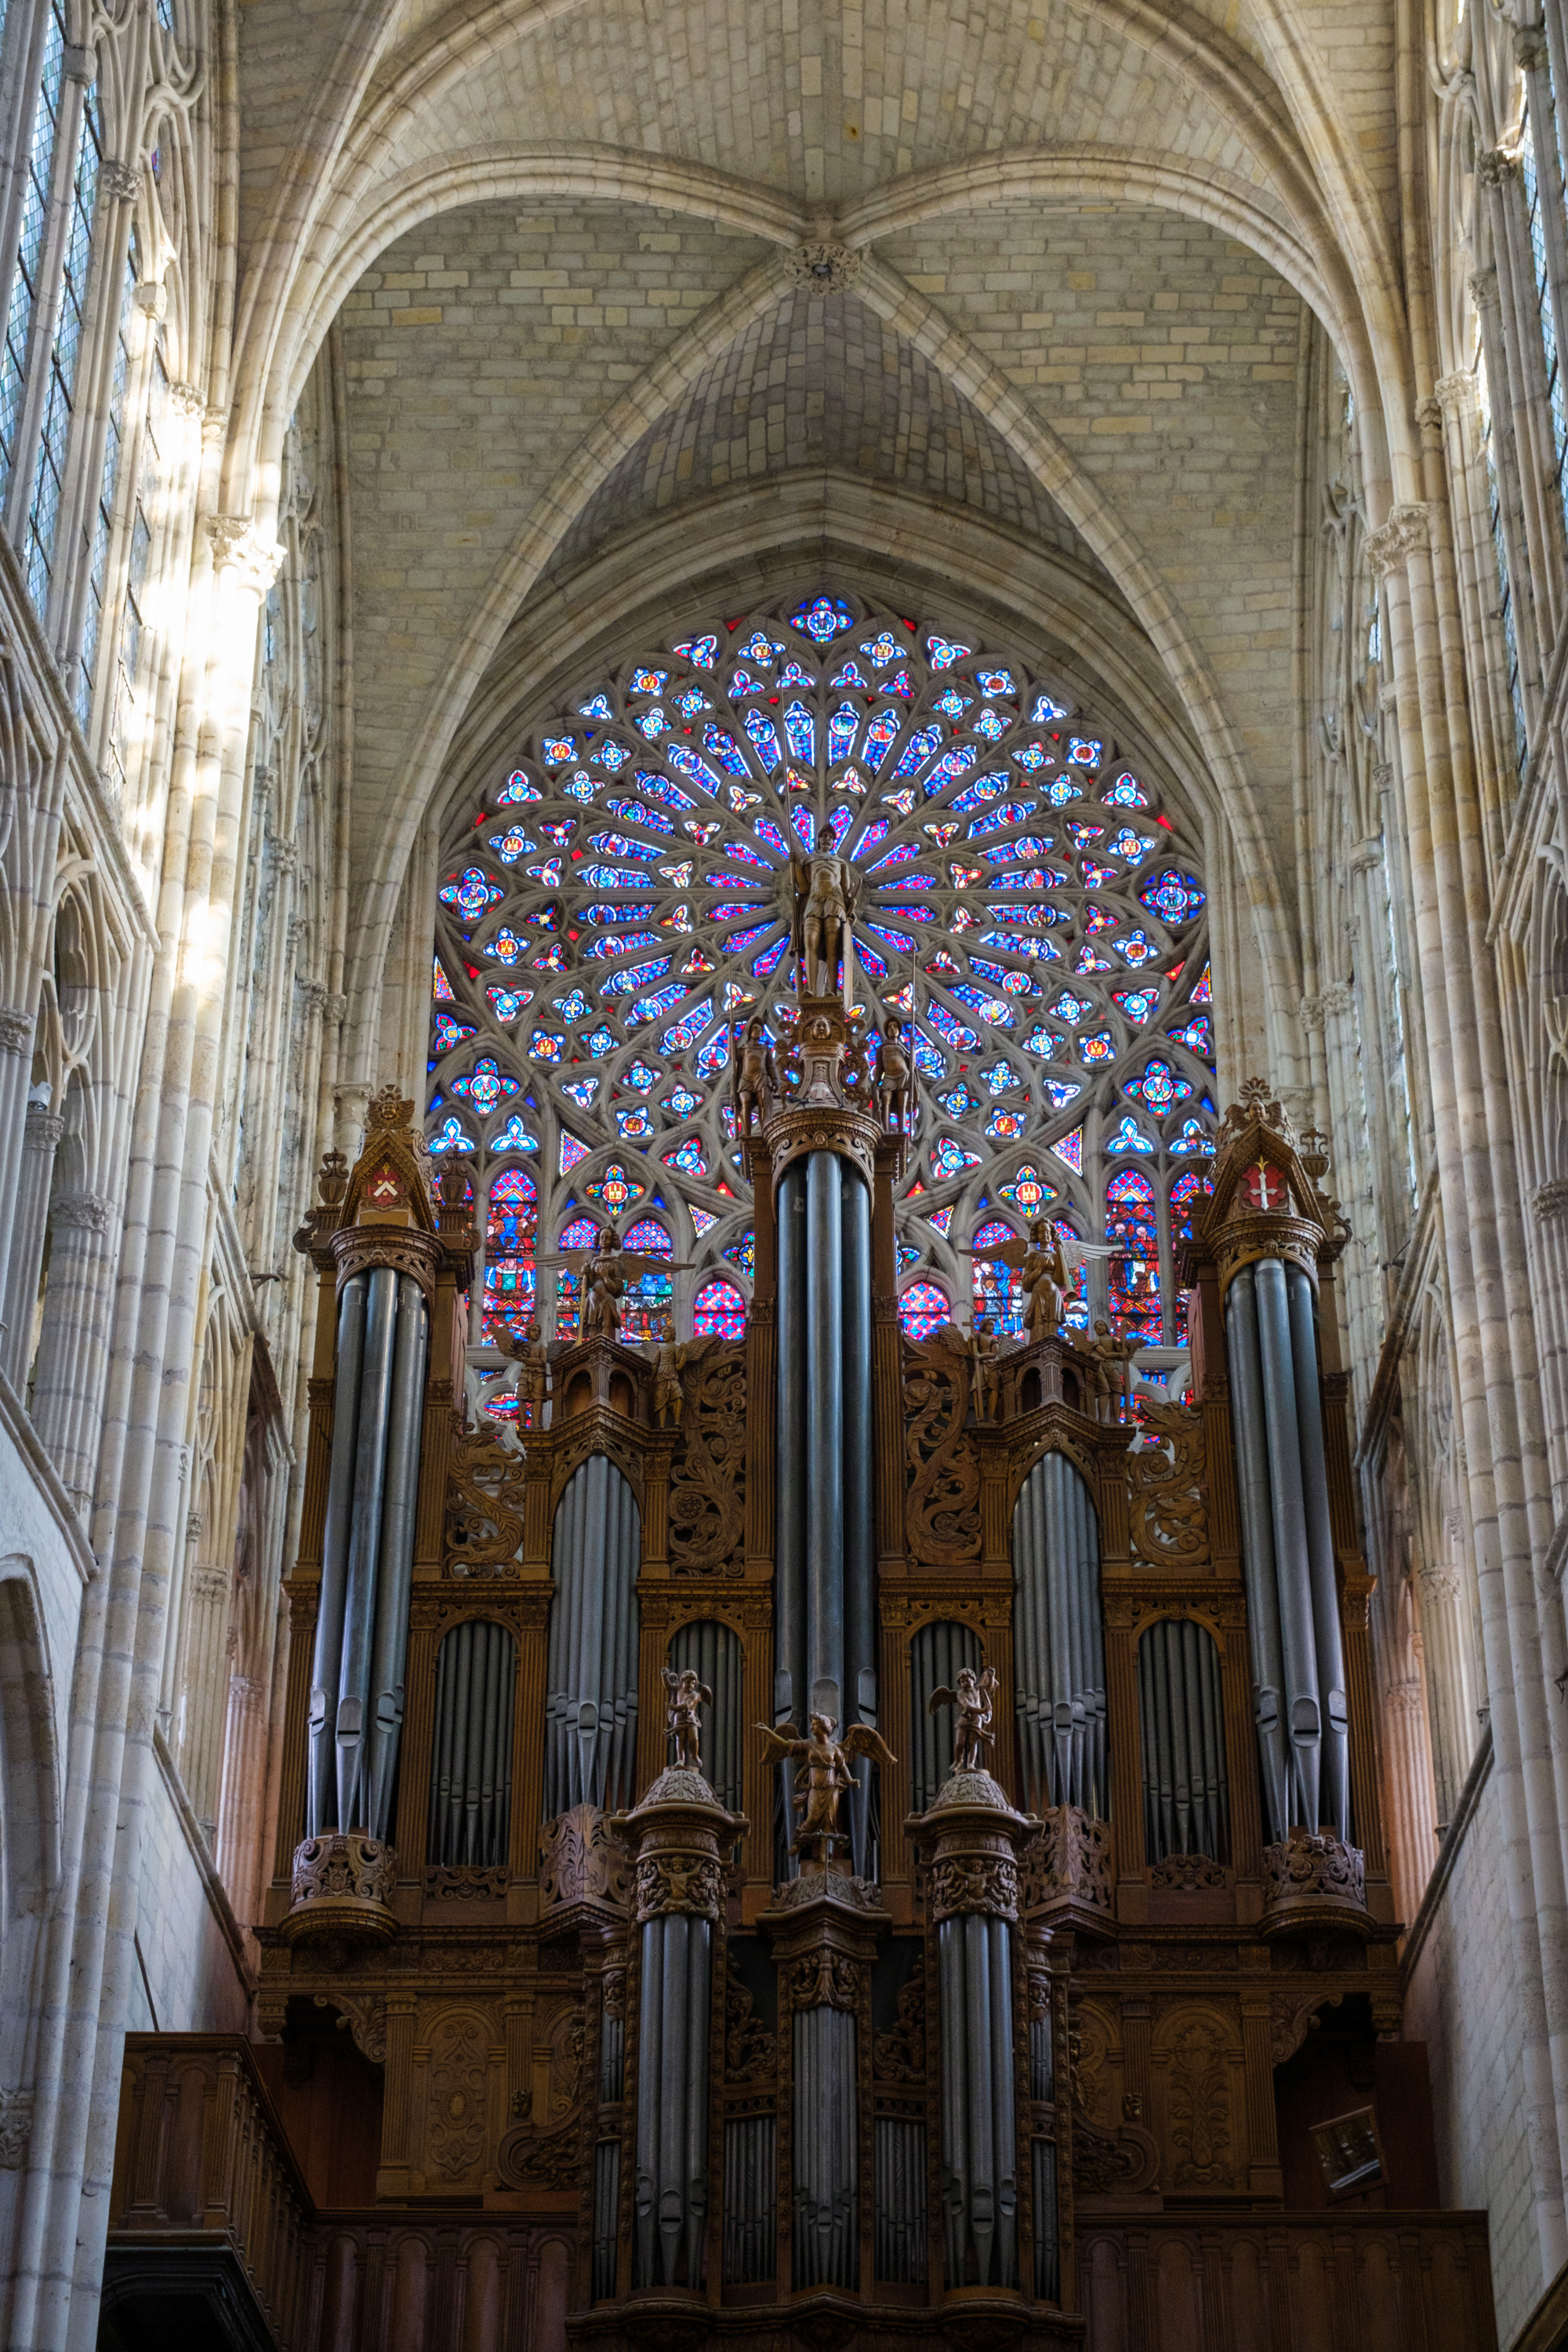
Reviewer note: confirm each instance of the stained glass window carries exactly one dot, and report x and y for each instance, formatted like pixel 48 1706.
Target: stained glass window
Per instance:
pixel 718 1311
pixel 59 394
pixel 1134 1279
pixel 999 1287
pixel 512 1227
pixel 1030 905
pixel 26 283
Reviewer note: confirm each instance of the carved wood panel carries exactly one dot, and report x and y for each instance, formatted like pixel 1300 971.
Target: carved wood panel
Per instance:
pixel 941 1500
pixel 708 1475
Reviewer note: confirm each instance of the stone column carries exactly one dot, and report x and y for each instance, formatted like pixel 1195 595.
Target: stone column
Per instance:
pixel 67 1386
pixel 41 1134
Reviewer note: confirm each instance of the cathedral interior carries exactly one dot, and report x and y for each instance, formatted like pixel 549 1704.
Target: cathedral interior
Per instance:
pixel 783 1175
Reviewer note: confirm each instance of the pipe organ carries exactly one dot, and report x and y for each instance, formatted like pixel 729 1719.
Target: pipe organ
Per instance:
pixel 1078 1832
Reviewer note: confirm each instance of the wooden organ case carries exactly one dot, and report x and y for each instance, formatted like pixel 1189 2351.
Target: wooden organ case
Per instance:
pixel 1028 2058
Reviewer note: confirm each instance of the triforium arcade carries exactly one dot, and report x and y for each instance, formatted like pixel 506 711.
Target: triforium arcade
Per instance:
pixel 837 1839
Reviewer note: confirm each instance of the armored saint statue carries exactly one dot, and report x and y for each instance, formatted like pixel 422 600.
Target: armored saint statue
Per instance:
pixel 826 892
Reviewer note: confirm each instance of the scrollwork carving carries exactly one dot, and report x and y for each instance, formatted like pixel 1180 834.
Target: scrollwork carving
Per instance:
pixel 679 1881
pixel 1167 1514
pixel 708 1475
pixel 1188 1872
pixel 364 2020
pixel 964 1883
pixel 1069 1860
pixel 941 1504
pixel 1198 2103
pixel 485 1490
pixel 823 1979
pixel 465 1882
pixel 900 2054
pixel 750 2052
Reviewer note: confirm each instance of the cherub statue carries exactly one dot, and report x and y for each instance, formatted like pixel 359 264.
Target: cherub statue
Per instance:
pixel 528 1349
pixel 974 1699
pixel 824 1777
pixel 668 1363
pixel 756 1075
pixel 898 1078
pixel 985 1371
pixel 682 1718
pixel 1109 1360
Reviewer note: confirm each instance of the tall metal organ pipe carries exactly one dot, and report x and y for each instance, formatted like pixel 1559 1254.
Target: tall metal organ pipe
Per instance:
pixel 671 2203
pixel 591 1697
pixel 979 2124
pixel 1060 1645
pixel 470 1768
pixel 1186 1803
pixel 1298 1658
pixel 825 1542
pixel 361 1627
pixel 826 2149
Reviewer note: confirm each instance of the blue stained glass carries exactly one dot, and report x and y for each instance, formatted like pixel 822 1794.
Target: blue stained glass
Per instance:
pixel 922 744
pixel 790 675
pixel 850 675
pixel 1128 1137
pixel 559 748
pixel 841 729
pixel 801 730
pixel 596 707
pixel 764 739
pixel 879 735
pixel 766 830
pixel 943 652
pixel 991 724
pixel 1138 1004
pixel 616 844
pixel 739 941
pixel 951 1158
pixel 614 878
pixel 611 756
pixel 573 1007
pixel 507 1003
pixel 647 681
pixel 581 786
pixel 701 652
pixel 952 1031
pixel 627 911
pixel 1197 1036
pixel 959 1102
pixel 471 892
pixel 1016 984
pixel 696 771
pixel 693 700
pixel 882 649
pixel 869 959
pixel 823 618
pixel 1192 1138
pixel 898 941
pixel 997 820
pixel 725 749
pixel 636 812
pixel 450 1034
pixel 1062 790
pixel 715 1054
pixel 1160 1087
pixel 1175 897
pixel 518 788
pixel 581 1091
pixel 922 1309
pixel 878 830
pixel 953 764
pixel 903 853
pixel 984 789
pixel 659 788
pixel 995 681
pixel 1019 944
pixel 687 1156
pixel 1045 710
pixel 761 649
pixel 989 1008
pixel 1084 752
pixel 1137 946
pixel 514 1137
pixel 1031 756
pixel 1001 1076
pixel 649 1008
pixel 804 825
pixel 741 852
pixel 1129 847
pixel 1127 792
pixel 951 703
pixel 623 983
pixel 509 845
pixel 1028 845
pixel 686 1031
pixel 1061 1094
pixel 719 1312
pixel 928 1062
pixel 485 1085
pixel 449 1137
pixel 1099 1048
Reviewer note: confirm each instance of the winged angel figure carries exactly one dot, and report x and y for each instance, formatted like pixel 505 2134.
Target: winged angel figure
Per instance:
pixel 975 1700
pixel 825 1777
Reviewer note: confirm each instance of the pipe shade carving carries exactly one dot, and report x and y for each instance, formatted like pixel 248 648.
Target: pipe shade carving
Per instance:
pixel 361 1627
pixel 471 1770
pixel 591 1702
pixel 1059 1644
pixel 1293 1619
pixel 1186 1803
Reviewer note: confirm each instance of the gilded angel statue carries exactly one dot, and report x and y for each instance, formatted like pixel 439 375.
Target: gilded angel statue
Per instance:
pixel 825 1777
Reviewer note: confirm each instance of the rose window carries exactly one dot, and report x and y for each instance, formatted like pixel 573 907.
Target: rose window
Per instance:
pixel 618 904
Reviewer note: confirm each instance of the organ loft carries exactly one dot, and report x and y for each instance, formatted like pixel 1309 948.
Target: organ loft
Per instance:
pixel 826 1838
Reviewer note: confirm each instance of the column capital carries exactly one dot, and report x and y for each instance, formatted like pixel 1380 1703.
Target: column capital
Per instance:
pixel 237 547
pixel 1408 528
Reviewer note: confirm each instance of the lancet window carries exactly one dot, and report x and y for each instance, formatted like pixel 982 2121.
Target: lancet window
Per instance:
pixel 617 905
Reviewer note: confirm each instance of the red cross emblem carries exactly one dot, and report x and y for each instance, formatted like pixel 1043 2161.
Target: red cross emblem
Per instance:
pixel 1265 1187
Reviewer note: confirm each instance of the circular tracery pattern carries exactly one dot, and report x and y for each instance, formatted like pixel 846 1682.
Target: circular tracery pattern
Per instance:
pixel 620 903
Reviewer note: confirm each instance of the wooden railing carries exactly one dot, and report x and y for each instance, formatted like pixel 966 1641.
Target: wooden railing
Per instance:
pixel 207 2198
pixel 202 2162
